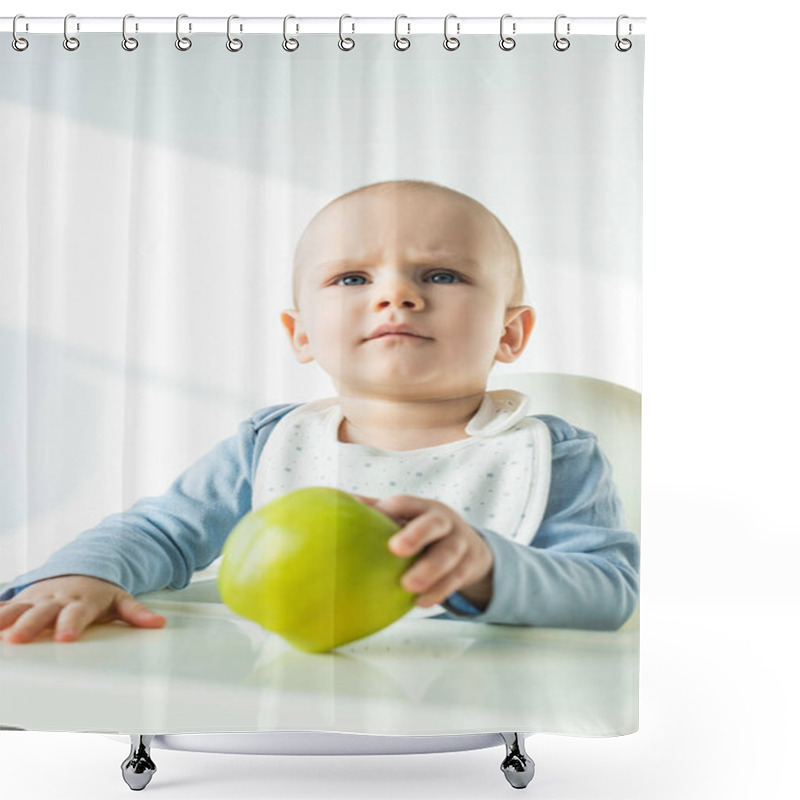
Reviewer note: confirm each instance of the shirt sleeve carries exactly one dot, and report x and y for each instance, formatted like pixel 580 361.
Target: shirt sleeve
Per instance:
pixel 160 541
pixel 582 568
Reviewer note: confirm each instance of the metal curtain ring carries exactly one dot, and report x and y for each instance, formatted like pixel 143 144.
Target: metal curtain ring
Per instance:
pixel 181 42
pixel 128 42
pixel 346 43
pixel 401 43
pixel 451 42
pixel 561 43
pixel 290 45
pixel 18 43
pixel 507 42
pixel 234 45
pixel 623 45
pixel 70 42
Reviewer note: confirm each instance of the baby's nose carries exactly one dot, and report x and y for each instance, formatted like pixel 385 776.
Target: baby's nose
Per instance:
pixel 399 293
pixel 404 302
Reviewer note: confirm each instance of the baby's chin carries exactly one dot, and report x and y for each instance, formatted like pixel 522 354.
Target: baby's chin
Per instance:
pixel 397 367
pixel 406 386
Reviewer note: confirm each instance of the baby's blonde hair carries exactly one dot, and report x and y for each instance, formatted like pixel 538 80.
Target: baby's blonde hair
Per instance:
pixel 517 279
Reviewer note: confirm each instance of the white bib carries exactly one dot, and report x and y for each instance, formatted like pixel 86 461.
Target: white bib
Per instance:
pixel 497 478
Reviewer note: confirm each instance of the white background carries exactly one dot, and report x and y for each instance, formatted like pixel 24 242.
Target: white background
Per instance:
pixel 719 696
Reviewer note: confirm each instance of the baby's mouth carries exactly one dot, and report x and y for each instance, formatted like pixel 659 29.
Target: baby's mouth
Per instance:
pixel 411 335
pixel 399 337
pixel 392 331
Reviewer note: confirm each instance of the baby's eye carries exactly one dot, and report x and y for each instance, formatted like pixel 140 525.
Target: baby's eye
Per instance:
pixel 341 278
pixel 446 275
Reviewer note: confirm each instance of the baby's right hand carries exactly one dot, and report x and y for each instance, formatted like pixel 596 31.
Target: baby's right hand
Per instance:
pixel 70 603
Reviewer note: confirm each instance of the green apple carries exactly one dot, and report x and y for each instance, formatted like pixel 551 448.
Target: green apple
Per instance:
pixel 314 566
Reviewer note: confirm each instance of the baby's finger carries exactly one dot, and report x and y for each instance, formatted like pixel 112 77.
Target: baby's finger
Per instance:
pixel 405 506
pixel 11 613
pixel 32 622
pixel 439 560
pixel 420 532
pixel 370 501
pixel 442 589
pixel 135 613
pixel 73 621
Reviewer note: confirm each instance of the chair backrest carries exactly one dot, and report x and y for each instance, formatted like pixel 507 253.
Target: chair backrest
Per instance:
pixel 610 411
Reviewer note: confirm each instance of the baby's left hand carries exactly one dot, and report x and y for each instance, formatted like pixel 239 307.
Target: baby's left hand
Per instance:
pixel 456 557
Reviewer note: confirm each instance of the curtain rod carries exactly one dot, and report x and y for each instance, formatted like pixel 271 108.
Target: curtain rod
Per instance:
pixel 351 24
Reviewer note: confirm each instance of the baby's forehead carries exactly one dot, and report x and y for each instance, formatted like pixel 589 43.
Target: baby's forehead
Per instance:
pixel 425 220
pixel 354 207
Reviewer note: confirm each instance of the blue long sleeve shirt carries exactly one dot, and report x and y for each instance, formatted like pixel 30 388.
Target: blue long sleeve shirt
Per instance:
pixel 580 571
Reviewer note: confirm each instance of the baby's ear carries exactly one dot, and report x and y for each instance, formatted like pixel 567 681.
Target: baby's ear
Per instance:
pixel 297 335
pixel 518 326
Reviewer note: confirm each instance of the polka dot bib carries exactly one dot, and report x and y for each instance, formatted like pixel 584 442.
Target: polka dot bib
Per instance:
pixel 497 478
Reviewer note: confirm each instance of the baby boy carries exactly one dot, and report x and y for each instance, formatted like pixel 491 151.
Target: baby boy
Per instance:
pixel 406 293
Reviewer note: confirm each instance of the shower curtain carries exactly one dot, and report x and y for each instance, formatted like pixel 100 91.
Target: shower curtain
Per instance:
pixel 321 378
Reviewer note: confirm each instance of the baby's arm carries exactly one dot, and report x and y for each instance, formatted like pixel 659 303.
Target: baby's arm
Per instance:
pixel 581 570
pixel 160 541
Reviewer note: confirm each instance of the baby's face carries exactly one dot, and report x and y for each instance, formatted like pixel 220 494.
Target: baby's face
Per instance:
pixel 423 260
